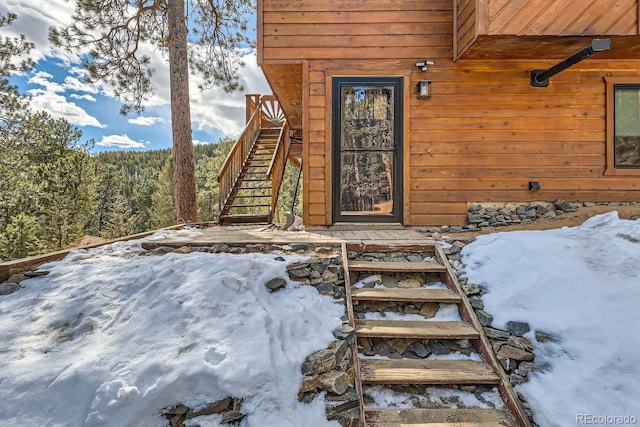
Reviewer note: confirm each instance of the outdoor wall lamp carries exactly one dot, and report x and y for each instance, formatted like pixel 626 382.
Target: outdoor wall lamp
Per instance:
pixel 424 89
pixel 424 64
pixel 534 185
pixel 540 78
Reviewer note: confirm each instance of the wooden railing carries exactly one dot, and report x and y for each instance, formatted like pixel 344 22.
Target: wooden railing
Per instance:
pixel 262 112
pixel 278 163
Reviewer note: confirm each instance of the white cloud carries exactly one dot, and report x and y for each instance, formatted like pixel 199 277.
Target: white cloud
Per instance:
pixel 121 141
pixel 59 107
pixel 85 97
pixel 146 121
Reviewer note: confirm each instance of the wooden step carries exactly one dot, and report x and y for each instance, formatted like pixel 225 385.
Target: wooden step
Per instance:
pixel 453 330
pixel 256 180
pixel 244 218
pixel 400 267
pixel 255 188
pixel 263 205
pixel 420 371
pixel 402 294
pixel 260 196
pixel 473 417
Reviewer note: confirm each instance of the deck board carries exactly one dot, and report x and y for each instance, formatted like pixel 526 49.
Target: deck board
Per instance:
pixel 403 294
pixel 415 329
pixel 474 417
pixel 421 371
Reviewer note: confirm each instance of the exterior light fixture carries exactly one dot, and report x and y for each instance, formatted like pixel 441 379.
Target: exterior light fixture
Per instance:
pixel 540 78
pixel 424 64
pixel 534 185
pixel 424 89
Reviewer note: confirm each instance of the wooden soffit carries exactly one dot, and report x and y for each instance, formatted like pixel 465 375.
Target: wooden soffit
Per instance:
pixel 528 29
pixel 286 82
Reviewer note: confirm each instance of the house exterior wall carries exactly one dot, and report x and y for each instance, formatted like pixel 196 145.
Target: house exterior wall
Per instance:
pixel 483 134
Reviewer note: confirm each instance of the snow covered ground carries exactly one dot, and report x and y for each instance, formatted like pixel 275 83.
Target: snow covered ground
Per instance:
pixel 581 285
pixel 111 337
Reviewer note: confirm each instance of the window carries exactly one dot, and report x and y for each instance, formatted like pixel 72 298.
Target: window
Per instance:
pixel 623 126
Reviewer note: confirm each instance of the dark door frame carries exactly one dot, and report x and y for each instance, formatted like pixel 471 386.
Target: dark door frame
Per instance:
pixel 398 100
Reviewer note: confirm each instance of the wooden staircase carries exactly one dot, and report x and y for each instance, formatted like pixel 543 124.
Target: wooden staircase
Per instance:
pixel 252 173
pixel 250 198
pixel 413 372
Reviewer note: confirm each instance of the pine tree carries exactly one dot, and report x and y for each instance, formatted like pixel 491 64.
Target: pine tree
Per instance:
pixel 114 31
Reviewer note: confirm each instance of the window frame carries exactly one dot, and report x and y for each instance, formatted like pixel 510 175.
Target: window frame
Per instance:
pixel 611 83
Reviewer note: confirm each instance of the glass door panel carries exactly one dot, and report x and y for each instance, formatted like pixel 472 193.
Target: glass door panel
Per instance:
pixel 367 140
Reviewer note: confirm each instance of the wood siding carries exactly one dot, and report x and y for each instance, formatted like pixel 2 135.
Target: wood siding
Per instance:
pixel 483 134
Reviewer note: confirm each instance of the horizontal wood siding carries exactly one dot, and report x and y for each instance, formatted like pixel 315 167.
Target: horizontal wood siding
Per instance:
pixel 483 134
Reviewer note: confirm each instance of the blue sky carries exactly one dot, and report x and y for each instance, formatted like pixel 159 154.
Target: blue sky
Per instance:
pixel 57 87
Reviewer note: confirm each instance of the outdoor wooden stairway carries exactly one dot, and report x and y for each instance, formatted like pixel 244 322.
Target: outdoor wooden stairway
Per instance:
pixel 420 371
pixel 251 175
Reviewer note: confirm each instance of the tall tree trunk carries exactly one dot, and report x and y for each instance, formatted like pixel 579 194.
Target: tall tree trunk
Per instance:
pixel 184 176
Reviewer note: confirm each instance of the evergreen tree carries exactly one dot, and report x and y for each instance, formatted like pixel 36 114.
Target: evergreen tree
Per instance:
pixel 114 31
pixel 163 208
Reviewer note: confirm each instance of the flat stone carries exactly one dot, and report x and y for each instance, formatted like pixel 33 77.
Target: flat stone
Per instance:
pixel 437 348
pixel 419 349
pixel 16 278
pixel 399 345
pixel 275 284
pixel 214 408
pixel 470 290
pixel 515 353
pixel 232 417
pixel 414 258
pixel 409 283
pixel 336 405
pixel 545 337
pixel 429 309
pixel 299 272
pixel 562 204
pixel 518 328
pixel 298 246
pixel 36 273
pixel 520 342
pixel 319 362
pixel 497 334
pixel 9 288
pixel 323 250
pixel 390 281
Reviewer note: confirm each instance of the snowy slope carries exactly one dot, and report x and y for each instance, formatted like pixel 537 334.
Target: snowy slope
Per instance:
pixel 582 285
pixel 111 337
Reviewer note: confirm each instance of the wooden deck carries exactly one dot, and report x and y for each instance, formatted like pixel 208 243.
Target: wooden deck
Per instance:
pixel 244 234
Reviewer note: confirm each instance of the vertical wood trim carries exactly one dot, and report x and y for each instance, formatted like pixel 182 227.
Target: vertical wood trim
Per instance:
pixel 406 148
pixel 455 30
pixel 260 32
pixel 305 143
pixel 328 142
pixel 482 17
pixel 638 21
pixel 610 125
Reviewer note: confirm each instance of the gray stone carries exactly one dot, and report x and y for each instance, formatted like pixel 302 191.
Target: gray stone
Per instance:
pixel 515 353
pixel 36 273
pixel 345 332
pixel 516 379
pixel 485 318
pixel 342 403
pixel 476 302
pixel 414 258
pixel 562 205
pixel 518 328
pixel 507 364
pixel 323 250
pixel 390 281
pixel 319 362
pixel 9 288
pixel 549 215
pixel 588 204
pixel 383 348
pixel 299 272
pixel 471 289
pixel 275 284
pixel 545 337
pixel 429 309
pixel 325 288
pixel 232 417
pixel 497 334
pixel 437 348
pixel 409 283
pixel 298 246
pixel 419 349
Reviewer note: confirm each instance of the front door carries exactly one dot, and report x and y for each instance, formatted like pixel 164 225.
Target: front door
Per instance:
pixel 367 147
